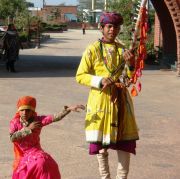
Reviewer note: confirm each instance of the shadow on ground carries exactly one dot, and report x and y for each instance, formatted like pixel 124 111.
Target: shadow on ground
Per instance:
pixel 59 40
pixel 49 66
pixel 42 66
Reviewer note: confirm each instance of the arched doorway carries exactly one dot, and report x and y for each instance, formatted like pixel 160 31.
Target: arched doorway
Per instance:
pixel 168 12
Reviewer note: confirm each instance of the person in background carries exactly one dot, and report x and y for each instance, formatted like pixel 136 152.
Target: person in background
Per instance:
pixel 84 28
pixel 31 161
pixel 110 120
pixel 11 46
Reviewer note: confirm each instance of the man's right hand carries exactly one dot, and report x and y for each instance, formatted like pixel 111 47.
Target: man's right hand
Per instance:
pixel 106 82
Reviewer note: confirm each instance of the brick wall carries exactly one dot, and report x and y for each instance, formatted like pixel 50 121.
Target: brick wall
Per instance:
pixel 168 12
pixel 174 9
pixel 48 11
pixel 157 33
pixel 78 25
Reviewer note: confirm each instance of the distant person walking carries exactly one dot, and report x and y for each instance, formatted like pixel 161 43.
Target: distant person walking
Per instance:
pixel 84 28
pixel 11 46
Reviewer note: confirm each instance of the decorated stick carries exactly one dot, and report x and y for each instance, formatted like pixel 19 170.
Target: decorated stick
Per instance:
pixel 140 32
pixel 137 25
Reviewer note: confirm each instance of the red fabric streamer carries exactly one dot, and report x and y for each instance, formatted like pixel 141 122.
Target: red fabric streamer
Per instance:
pixel 141 51
pixel 134 91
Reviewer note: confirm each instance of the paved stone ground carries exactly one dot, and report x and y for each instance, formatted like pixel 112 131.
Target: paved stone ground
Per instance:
pixel 48 74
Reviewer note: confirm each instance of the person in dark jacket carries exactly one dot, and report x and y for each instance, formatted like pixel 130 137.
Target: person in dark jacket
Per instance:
pixel 11 45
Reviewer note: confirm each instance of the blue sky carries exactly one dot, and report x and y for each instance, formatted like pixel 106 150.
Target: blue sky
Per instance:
pixel 38 3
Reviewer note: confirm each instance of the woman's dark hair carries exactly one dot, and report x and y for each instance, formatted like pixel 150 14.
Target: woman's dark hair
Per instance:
pixel 11 27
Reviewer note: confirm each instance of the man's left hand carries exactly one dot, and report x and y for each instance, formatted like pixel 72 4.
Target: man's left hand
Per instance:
pixel 129 57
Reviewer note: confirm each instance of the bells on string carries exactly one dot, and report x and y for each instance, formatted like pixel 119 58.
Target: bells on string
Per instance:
pixel 127 74
pixel 131 77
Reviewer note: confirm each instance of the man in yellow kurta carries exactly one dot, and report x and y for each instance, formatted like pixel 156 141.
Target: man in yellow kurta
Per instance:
pixel 110 121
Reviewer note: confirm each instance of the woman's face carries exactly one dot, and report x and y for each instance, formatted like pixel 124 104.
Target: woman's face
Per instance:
pixel 110 31
pixel 26 114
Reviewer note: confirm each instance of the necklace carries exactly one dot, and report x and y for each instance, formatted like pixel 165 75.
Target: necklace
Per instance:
pixel 105 58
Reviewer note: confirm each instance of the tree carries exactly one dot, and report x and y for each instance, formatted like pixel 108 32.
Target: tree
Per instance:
pixel 9 8
pixel 21 20
pixel 56 13
pixel 15 11
pixel 125 7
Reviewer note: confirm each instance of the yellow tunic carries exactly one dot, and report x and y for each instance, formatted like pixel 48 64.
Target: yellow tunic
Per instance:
pixel 102 113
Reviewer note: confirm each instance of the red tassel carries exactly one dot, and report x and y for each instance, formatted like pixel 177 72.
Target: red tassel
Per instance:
pixel 134 79
pixel 139 86
pixel 142 64
pixel 134 91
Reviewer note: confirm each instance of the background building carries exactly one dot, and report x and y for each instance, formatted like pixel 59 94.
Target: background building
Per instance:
pixel 55 14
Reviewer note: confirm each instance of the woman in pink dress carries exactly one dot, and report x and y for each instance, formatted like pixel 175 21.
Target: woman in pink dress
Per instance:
pixel 31 161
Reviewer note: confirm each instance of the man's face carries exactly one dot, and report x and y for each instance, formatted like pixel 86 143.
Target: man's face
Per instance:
pixel 26 114
pixel 110 31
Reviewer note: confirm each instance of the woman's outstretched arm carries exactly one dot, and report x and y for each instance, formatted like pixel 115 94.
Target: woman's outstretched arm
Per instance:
pixel 67 110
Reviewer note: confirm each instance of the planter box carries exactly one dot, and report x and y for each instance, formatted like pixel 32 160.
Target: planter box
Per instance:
pixel 25 45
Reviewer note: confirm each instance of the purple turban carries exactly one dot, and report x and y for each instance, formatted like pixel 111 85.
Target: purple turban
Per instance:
pixel 111 18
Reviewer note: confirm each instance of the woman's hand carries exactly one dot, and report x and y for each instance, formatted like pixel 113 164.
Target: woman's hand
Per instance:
pixel 35 124
pixel 76 108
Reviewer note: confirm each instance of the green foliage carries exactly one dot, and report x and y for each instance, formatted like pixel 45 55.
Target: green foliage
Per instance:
pixel 154 54
pixel 21 20
pixel 53 27
pixel 9 8
pixel 124 7
pixel 16 10
pixel 150 42
pixel 80 16
pixel 23 36
pixel 34 20
pixel 56 13
pixel 127 9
